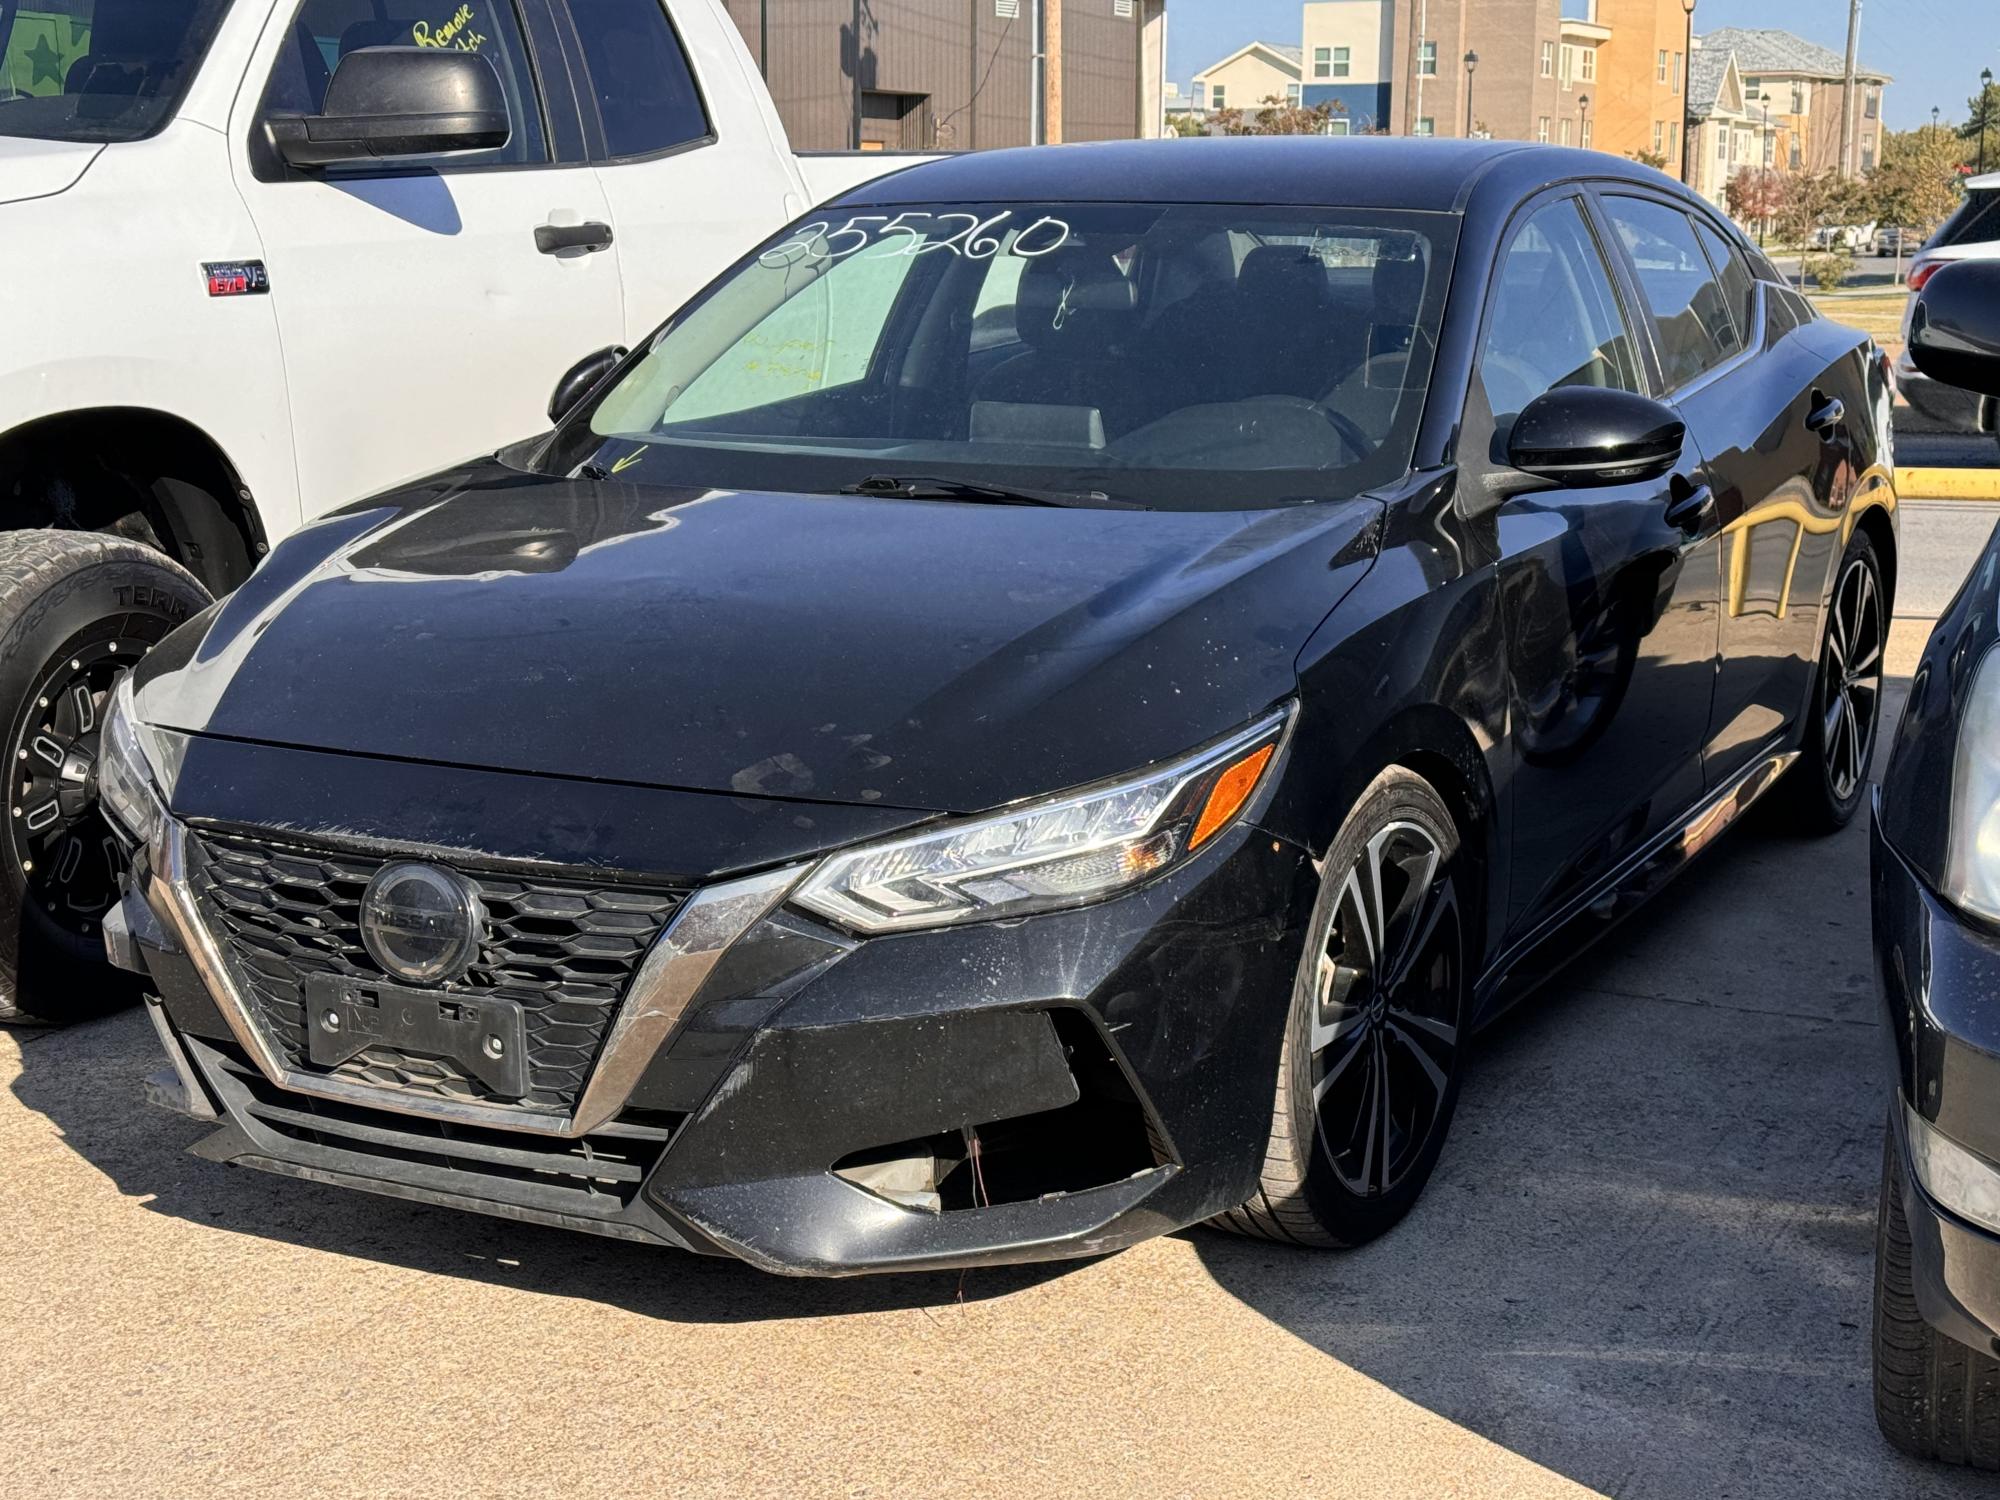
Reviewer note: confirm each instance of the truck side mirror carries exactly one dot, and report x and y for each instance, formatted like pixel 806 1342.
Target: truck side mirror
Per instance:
pixel 385 102
pixel 580 379
pixel 1955 326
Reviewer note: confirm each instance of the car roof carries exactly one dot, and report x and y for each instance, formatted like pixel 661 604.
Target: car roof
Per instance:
pixel 1328 171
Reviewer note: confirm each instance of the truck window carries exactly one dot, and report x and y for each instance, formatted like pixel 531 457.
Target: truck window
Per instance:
pixel 639 77
pixel 325 31
pixel 99 70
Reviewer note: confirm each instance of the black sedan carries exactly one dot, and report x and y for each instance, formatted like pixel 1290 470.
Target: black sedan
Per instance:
pixel 1044 706
pixel 1936 892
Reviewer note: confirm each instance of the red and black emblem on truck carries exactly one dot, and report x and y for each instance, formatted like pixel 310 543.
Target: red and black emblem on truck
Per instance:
pixel 235 278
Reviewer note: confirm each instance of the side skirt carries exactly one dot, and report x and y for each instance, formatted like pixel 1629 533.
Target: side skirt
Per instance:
pixel 1533 960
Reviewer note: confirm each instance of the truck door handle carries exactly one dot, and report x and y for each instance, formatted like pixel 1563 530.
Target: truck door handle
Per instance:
pixel 1691 505
pixel 1826 416
pixel 553 239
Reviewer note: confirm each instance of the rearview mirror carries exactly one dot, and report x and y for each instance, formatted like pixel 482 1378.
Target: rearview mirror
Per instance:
pixel 1586 435
pixel 398 101
pixel 1955 326
pixel 580 379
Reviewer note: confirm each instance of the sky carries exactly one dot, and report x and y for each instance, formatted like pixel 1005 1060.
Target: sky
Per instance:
pixel 1933 48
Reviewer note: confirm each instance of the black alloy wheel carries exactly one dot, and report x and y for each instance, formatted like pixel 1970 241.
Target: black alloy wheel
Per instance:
pixel 76 610
pixel 1828 783
pixel 1374 1050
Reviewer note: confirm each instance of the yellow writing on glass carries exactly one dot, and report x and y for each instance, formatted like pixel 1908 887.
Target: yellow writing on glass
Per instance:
pixel 457 32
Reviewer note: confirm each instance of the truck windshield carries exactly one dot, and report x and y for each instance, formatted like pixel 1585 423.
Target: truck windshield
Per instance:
pixel 1179 356
pixel 98 70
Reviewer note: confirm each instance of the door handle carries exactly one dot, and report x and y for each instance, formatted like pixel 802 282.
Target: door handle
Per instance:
pixel 1826 416
pixel 1691 505
pixel 553 239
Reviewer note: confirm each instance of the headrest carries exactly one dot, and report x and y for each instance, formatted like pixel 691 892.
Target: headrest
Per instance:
pixel 1282 278
pixel 375 34
pixel 1399 289
pixel 1075 299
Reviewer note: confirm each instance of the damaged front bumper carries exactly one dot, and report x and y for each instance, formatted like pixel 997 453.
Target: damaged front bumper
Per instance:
pixel 773 1089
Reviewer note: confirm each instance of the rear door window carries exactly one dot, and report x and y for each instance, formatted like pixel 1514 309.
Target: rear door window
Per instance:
pixel 1692 325
pixel 1739 286
pixel 644 91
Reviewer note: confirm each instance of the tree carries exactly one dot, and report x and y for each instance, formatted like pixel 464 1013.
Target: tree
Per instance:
pixel 1187 124
pixel 1654 159
pixel 1276 116
pixel 1757 195
pixel 1916 182
pixel 1814 200
pixel 1982 128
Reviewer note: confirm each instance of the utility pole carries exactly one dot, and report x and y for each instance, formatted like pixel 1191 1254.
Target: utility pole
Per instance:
pixel 1847 100
pixel 1035 75
pixel 1052 70
pixel 1417 62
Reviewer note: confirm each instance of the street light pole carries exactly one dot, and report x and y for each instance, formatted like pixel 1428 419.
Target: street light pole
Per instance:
pixel 1985 91
pixel 1471 62
pixel 1687 93
pixel 1583 121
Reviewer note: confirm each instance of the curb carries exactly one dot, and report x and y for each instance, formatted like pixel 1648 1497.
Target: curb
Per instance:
pixel 1948 484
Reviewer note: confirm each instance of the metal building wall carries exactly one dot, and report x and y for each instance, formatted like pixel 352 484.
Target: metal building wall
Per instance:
pixel 1100 70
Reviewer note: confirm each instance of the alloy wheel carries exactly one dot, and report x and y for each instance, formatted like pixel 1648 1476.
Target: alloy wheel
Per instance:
pixel 1853 675
pixel 1385 1021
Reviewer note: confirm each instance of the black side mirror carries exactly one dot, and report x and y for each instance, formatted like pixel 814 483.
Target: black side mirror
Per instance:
pixel 1955 326
pixel 1586 435
pixel 581 378
pixel 398 101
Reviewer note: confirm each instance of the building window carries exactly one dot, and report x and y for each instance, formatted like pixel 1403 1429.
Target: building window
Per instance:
pixel 1659 136
pixel 1292 95
pixel 1874 103
pixel 1722 146
pixel 1568 70
pixel 1542 130
pixel 1752 87
pixel 1660 74
pixel 1868 156
pixel 1427 59
pixel 1339 126
pixel 1584 139
pixel 1564 137
pixel 1427 126
pixel 1798 159
pixel 1322 62
pixel 1673 139
pixel 1770 150
pixel 1589 64
pixel 1548 59
pixel 1215 96
pixel 1677 72
pixel 1798 98
pixel 1340 62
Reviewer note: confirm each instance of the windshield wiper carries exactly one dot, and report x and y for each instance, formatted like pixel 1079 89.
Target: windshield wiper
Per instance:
pixel 933 487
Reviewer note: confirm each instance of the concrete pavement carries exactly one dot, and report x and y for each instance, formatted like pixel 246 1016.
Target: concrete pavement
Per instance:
pixel 1643 1269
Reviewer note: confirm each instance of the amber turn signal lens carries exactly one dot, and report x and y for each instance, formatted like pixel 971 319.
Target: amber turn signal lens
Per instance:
pixel 1232 790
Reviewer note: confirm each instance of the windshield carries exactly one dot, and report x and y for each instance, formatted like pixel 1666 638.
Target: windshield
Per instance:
pixel 1176 356
pixel 98 70
pixel 1976 221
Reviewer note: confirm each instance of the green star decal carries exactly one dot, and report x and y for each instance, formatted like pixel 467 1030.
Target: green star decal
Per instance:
pixel 47 62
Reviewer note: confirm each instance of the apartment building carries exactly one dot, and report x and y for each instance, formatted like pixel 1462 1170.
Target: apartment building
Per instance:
pixel 1249 76
pixel 1804 87
pixel 1349 62
pixel 1729 128
pixel 1642 79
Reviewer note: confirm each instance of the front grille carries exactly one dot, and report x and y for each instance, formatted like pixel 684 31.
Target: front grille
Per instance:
pixel 565 950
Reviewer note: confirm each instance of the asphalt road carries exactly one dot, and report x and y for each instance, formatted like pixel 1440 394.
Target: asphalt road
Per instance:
pixel 1643 1269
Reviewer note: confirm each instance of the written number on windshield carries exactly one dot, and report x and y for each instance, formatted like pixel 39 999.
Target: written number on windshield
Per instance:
pixel 976 239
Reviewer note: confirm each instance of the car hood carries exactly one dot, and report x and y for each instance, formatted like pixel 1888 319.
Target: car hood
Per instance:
pixel 36 169
pixel 931 655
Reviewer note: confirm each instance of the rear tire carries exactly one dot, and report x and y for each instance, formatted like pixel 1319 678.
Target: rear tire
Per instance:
pixel 1373 1053
pixel 1934 1397
pixel 1828 783
pixel 76 609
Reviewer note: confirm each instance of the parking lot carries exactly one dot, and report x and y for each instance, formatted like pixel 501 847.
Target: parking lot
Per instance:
pixel 1643 1269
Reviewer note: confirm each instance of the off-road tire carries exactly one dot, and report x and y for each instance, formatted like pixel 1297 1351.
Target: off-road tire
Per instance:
pixel 1300 1198
pixel 55 587
pixel 1808 802
pixel 1934 1397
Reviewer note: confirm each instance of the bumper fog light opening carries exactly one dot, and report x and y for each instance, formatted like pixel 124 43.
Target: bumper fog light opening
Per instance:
pixel 1952 1177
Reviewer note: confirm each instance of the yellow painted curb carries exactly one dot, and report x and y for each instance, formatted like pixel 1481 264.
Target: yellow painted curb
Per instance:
pixel 1948 484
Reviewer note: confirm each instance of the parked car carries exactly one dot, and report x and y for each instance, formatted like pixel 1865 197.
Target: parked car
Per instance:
pixel 880 789
pixel 1896 241
pixel 1936 893
pixel 300 257
pixel 1971 233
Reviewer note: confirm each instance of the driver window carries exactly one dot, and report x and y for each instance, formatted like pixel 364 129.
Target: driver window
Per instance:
pixel 1555 319
pixel 325 31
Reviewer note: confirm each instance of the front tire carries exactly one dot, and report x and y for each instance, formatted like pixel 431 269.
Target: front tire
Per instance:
pixel 1372 1057
pixel 1934 1397
pixel 1827 784
pixel 76 610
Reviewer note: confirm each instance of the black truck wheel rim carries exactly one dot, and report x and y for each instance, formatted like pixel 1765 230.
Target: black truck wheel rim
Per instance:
pixel 64 855
pixel 1385 1017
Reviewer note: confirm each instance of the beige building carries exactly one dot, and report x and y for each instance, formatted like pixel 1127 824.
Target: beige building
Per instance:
pixel 1729 129
pixel 1805 87
pixel 1249 76
pixel 1642 79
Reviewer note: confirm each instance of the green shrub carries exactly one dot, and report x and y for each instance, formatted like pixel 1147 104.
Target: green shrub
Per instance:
pixel 1829 272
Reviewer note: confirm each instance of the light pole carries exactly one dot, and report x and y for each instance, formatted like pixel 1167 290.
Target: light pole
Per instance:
pixel 1985 90
pixel 1583 120
pixel 1770 155
pixel 1471 62
pixel 1687 92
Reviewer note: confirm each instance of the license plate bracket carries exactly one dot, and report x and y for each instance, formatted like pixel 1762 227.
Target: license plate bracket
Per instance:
pixel 485 1036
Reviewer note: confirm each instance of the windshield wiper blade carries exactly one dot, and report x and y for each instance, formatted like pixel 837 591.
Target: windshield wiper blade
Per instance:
pixel 934 487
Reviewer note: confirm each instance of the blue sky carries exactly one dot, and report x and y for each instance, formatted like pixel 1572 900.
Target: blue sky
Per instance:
pixel 1933 48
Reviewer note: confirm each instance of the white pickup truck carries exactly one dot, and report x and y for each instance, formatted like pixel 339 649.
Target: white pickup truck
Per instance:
pixel 262 257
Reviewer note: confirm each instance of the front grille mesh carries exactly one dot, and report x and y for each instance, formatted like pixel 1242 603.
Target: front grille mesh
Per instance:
pixel 565 950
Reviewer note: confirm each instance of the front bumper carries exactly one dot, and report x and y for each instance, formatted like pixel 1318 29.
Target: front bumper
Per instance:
pixel 1938 976
pixel 1115 1064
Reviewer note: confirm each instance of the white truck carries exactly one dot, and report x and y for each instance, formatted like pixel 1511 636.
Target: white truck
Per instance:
pixel 263 257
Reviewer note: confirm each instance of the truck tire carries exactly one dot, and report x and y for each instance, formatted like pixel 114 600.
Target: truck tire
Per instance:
pixel 76 609
pixel 1934 1397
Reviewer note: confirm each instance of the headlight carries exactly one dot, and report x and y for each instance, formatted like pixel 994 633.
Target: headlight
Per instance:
pixel 1972 857
pixel 128 777
pixel 1064 851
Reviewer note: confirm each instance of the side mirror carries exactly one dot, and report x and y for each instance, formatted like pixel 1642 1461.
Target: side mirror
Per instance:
pixel 580 379
pixel 398 101
pixel 1586 435
pixel 1955 326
